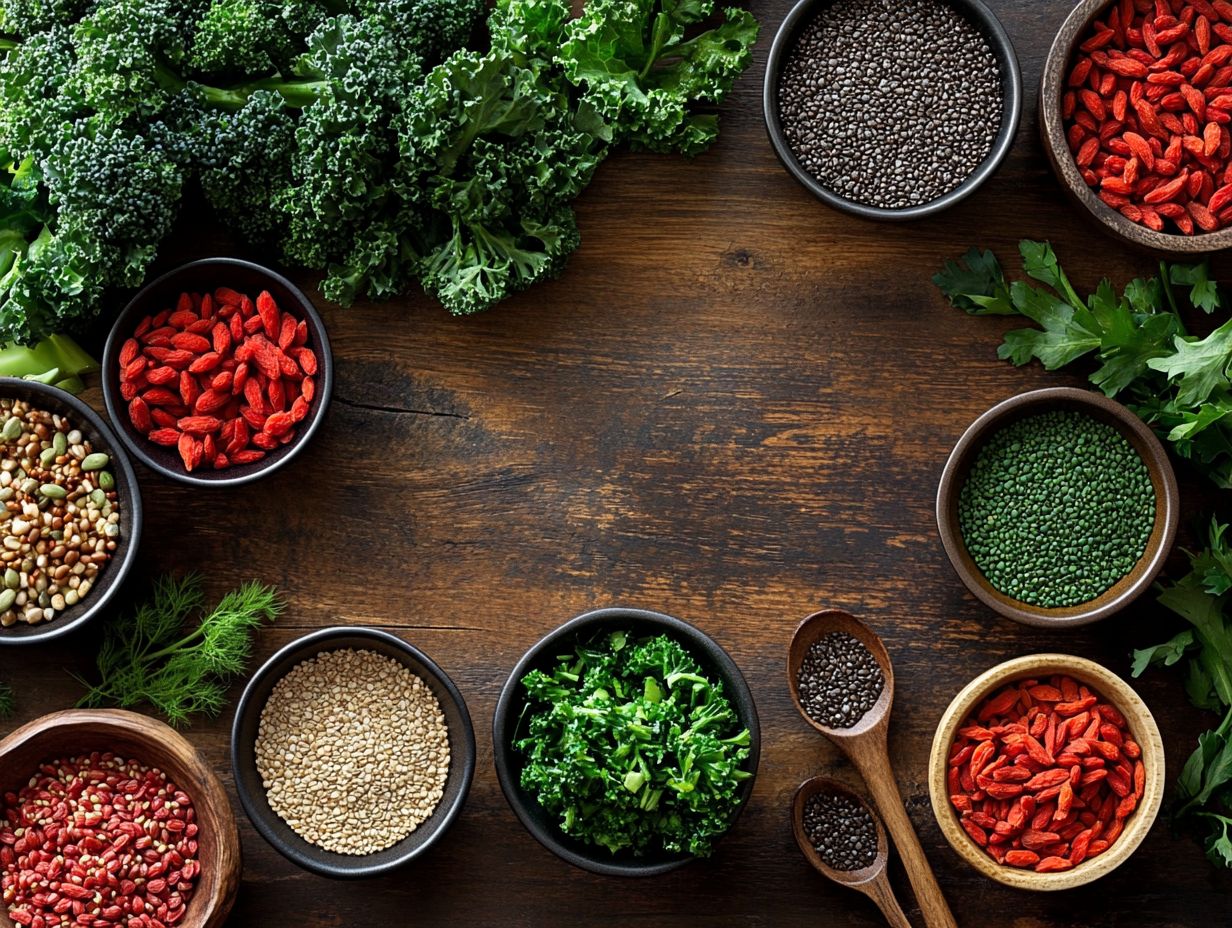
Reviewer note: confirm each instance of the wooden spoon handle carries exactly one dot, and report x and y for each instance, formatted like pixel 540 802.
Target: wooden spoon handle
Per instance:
pixel 873 761
pixel 881 893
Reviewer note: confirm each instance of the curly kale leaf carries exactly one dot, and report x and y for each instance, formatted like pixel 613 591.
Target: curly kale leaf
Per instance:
pixel 633 747
pixel 653 73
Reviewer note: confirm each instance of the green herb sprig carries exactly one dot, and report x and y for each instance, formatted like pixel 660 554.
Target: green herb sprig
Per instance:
pixel 1177 382
pixel 1202 598
pixel 157 656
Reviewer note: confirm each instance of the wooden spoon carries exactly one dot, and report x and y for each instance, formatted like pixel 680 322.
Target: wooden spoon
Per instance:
pixel 871 880
pixel 864 743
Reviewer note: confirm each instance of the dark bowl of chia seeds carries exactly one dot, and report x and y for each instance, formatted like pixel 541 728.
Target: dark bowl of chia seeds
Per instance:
pixel 513 705
pixel 1058 507
pixel 892 109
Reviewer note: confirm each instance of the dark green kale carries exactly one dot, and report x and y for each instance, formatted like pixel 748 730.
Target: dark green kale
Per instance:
pixel 631 746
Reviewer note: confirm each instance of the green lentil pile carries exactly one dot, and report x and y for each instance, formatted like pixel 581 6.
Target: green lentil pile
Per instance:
pixel 1056 509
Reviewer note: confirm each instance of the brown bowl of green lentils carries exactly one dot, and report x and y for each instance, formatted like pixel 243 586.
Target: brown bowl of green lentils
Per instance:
pixel 1058 507
pixel 71 517
pixel 892 109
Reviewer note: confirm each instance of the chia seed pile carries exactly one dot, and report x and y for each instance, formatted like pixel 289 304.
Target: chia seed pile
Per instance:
pixel 839 680
pixel 841 830
pixel 1056 509
pixel 890 103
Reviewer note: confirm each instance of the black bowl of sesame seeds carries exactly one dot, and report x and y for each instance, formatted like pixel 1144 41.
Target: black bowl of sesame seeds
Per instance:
pixel 41 568
pixel 892 109
pixel 352 752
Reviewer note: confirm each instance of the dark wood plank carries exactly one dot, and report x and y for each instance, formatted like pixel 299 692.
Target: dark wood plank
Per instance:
pixel 734 407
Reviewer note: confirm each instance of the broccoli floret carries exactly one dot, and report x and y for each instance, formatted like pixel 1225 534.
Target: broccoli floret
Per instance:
pixel 25 18
pixel 253 37
pixel 33 106
pixel 244 159
pixel 111 198
pixel 429 29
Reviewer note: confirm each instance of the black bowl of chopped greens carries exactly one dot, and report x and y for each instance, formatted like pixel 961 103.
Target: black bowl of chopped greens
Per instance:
pixel 626 742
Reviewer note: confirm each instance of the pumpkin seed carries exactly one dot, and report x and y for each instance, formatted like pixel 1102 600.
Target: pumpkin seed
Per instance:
pixel 105 480
pixel 96 461
pixel 12 429
pixel 53 491
pixel 60 443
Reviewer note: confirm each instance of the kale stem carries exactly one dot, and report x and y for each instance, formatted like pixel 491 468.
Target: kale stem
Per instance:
pixel 1166 281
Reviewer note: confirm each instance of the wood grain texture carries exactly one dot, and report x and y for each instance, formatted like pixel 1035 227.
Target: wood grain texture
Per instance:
pixel 733 408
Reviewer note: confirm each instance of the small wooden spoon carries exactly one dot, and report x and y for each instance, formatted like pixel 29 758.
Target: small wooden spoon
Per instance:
pixel 865 745
pixel 871 880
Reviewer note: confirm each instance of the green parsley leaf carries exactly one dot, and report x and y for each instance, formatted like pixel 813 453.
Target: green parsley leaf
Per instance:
pixel 1204 292
pixel 1163 655
pixel 1067 332
pixel 1199 366
pixel 976 283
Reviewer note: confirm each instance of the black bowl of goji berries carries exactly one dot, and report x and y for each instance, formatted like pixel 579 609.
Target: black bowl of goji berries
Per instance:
pixel 218 372
pixel 1136 118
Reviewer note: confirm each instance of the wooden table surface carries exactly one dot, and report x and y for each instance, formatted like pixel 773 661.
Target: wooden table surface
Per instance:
pixel 734 408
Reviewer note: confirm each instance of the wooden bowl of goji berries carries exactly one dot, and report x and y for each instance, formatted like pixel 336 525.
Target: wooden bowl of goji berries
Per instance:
pixel 217 372
pixel 153 842
pixel 1136 118
pixel 1046 772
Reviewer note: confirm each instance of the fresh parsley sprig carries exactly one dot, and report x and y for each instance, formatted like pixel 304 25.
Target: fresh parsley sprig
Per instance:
pixel 1177 382
pixel 158 656
pixel 1202 598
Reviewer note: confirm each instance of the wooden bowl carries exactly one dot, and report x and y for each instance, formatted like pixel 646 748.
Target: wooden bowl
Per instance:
pixel 75 731
pixel 1052 130
pixel 1110 687
pixel 1140 437
pixel 109 580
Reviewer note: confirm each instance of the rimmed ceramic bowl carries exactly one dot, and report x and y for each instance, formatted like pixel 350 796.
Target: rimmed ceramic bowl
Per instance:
pixel 1143 441
pixel 1108 686
pixel 252 794
pixel 128 734
pixel 998 39
pixel 542 655
pixel 111 577
pixel 208 274
pixel 1057 66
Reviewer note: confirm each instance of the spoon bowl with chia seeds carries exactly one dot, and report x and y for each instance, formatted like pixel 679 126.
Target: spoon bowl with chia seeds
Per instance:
pixel 845 841
pixel 841 679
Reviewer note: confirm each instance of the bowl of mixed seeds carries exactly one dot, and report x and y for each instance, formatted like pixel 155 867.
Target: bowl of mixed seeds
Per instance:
pixel 1058 507
pixel 892 109
pixel 352 752
pixel 72 513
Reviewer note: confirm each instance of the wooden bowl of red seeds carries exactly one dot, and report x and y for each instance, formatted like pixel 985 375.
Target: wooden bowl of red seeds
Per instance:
pixel 1136 118
pixel 152 838
pixel 217 372
pixel 1046 772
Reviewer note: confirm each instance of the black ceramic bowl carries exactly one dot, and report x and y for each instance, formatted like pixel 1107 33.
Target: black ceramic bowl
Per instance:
pixel 1011 85
pixel 208 274
pixel 112 575
pixel 248 781
pixel 541 656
